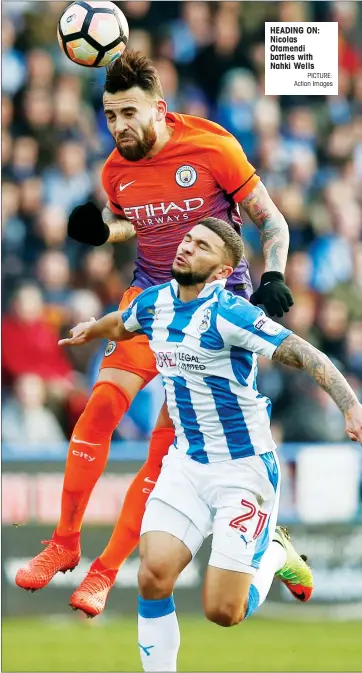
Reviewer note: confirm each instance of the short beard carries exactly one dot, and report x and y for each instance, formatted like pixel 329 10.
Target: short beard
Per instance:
pixel 188 278
pixel 141 147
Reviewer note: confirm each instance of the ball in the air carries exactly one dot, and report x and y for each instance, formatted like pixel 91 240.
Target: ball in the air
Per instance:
pixel 93 33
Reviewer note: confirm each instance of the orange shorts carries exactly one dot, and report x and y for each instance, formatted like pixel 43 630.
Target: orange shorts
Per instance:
pixel 134 355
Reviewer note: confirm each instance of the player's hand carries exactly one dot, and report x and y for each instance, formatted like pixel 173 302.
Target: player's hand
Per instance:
pixel 353 418
pixel 86 225
pixel 79 334
pixel 273 294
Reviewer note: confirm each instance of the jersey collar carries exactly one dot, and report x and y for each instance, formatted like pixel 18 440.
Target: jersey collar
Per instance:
pixel 207 291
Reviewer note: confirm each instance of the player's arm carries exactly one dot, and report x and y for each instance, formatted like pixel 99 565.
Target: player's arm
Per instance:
pixel 296 352
pixel 273 228
pixel 243 325
pixel 120 229
pixel 236 175
pixel 116 326
pixel 111 327
pixel 87 224
pixel 274 233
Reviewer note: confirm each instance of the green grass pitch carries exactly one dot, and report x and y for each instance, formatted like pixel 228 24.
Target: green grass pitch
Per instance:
pixel 75 645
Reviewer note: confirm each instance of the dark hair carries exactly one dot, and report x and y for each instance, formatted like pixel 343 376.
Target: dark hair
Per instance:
pixel 234 247
pixel 133 69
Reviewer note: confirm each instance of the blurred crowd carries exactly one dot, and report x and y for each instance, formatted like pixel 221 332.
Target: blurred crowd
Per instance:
pixel 308 151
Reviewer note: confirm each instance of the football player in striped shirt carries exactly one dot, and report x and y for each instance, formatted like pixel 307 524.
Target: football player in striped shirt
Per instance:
pixel 167 172
pixel 221 474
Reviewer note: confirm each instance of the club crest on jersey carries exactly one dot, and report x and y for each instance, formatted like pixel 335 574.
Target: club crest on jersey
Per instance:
pixel 155 312
pixel 186 176
pixel 205 323
pixel 111 347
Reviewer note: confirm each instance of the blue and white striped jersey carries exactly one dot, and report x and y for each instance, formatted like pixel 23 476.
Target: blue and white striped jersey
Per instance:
pixel 206 351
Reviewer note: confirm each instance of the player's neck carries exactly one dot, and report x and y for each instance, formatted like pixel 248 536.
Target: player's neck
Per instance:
pixel 164 135
pixel 189 292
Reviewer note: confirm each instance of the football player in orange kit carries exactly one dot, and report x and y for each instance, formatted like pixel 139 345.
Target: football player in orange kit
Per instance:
pixel 168 172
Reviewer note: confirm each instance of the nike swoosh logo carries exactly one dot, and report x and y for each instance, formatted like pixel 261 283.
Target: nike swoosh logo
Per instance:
pixel 81 441
pixel 149 480
pixel 122 187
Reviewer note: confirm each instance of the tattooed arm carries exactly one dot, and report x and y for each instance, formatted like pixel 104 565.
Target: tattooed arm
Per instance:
pixel 296 352
pixel 273 228
pixel 272 292
pixel 120 229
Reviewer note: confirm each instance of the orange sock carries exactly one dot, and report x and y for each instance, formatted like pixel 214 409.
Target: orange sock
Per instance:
pixel 126 534
pixel 88 452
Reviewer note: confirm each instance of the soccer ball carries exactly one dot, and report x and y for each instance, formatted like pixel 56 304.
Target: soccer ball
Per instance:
pixel 92 33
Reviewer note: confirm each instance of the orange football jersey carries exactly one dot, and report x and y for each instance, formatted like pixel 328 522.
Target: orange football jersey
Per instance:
pixel 201 172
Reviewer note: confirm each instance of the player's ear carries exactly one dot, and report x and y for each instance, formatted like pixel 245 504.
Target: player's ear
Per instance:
pixel 225 272
pixel 161 110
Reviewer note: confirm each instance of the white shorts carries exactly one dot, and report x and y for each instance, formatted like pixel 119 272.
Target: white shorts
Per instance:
pixel 236 501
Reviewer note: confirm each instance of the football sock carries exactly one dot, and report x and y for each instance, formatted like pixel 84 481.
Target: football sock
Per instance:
pixel 126 533
pixel 71 541
pixel 158 634
pixel 272 561
pixel 88 452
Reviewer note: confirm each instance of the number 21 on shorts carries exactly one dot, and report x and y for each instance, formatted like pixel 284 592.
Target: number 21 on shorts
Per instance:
pixel 249 514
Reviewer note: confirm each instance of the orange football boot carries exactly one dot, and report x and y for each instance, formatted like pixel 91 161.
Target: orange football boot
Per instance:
pixel 91 595
pixel 61 554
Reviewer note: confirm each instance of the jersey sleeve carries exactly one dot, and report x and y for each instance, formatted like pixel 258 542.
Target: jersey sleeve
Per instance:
pixel 130 319
pixel 140 315
pixel 110 191
pixel 231 168
pixel 246 326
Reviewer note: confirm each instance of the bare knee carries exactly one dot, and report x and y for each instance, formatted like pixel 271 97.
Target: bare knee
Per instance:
pixel 226 613
pixel 155 579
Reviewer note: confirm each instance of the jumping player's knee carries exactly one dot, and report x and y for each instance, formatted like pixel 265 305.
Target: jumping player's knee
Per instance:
pixel 155 579
pixel 106 407
pixel 226 613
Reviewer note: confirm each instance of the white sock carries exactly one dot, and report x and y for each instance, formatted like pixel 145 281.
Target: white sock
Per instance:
pixel 272 560
pixel 158 634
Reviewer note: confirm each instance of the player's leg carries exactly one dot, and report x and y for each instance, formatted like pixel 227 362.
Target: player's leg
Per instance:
pixel 126 533
pixel 90 443
pixel 91 595
pixel 225 595
pixel 169 539
pixel 247 551
pixel 163 557
pixel 237 581
pixel 87 457
pixel 125 369
pixel 231 596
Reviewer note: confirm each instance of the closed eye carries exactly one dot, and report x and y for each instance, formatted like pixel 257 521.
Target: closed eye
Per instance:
pixel 203 245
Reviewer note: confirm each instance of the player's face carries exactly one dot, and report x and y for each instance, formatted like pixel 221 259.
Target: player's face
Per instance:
pixel 200 258
pixel 131 118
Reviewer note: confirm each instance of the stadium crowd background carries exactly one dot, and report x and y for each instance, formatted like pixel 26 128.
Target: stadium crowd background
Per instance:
pixel 308 151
